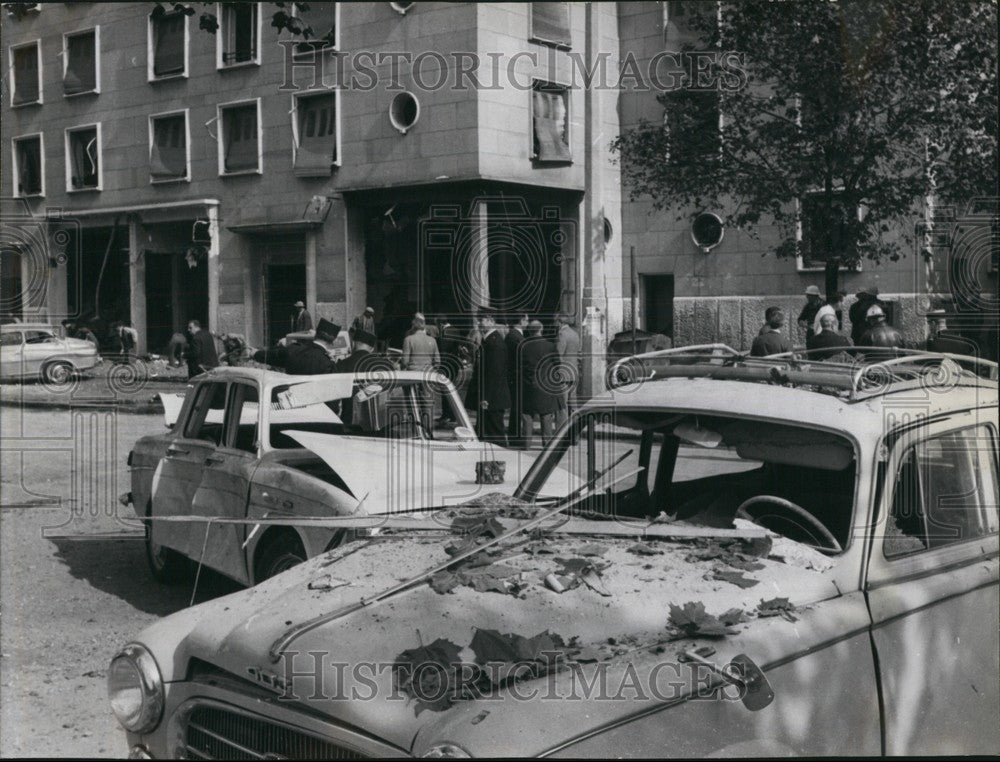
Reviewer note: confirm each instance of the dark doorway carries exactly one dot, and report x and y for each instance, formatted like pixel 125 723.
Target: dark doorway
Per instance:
pixel 658 304
pixel 285 284
pixel 175 294
pixel 103 274
pixel 11 293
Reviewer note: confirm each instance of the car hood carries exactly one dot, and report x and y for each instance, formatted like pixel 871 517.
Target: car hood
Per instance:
pixel 394 475
pixel 628 622
pixel 77 344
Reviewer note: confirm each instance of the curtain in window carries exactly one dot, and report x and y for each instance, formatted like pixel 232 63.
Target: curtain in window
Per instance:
pixel 81 64
pixel 241 138
pixel 550 22
pixel 168 44
pixel 168 156
pixel 550 125
pixel 29 167
pixel 317 147
pixel 83 157
pixel 26 74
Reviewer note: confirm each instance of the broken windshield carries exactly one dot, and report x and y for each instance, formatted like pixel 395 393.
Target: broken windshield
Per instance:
pixel 705 470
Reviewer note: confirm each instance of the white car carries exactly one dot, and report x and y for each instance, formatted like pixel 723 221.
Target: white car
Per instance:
pixel 35 350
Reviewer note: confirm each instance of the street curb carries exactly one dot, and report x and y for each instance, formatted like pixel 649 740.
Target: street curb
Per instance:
pixel 140 408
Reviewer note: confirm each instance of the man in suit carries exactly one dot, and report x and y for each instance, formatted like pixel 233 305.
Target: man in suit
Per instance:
pixel 867 297
pixel 568 348
pixel 513 341
pixel 809 311
pixel 306 359
pixel 942 339
pixel 201 354
pixel 827 342
pixel 770 341
pixel 539 361
pixel 488 391
pixel 420 352
pixel 362 359
pixel 301 319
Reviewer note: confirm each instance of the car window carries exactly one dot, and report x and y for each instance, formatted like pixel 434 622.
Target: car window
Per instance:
pixel 241 417
pixel 38 337
pixel 945 492
pixel 10 339
pixel 205 419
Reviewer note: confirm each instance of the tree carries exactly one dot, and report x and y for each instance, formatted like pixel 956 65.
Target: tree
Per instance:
pixel 860 108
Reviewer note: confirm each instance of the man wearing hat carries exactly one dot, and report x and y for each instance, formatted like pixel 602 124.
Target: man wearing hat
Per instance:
pixel 361 359
pixel 942 339
pixel 309 358
pixel 808 315
pixel 879 333
pixel 364 322
pixel 301 319
pixel 488 391
pixel 867 297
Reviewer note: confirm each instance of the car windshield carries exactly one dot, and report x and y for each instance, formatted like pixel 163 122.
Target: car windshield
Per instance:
pixel 706 471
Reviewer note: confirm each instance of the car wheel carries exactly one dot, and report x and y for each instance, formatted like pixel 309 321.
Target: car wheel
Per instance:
pixel 59 373
pixel 277 556
pixel 166 565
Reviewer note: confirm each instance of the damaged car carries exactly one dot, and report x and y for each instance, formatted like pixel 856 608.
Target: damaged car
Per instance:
pixel 798 558
pixel 337 444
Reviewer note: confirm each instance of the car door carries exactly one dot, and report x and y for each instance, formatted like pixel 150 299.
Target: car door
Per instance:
pixel 933 591
pixel 225 482
pixel 38 347
pixel 180 471
pixel 11 352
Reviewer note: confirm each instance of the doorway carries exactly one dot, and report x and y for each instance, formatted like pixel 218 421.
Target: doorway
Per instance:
pixel 284 285
pixel 658 304
pixel 175 294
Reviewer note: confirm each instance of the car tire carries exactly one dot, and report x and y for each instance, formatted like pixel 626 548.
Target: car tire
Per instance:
pixel 277 556
pixel 58 373
pixel 167 566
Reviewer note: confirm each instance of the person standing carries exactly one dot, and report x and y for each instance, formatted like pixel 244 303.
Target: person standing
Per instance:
pixel 513 341
pixel 827 342
pixel 177 349
pixel 867 297
pixel 879 333
pixel 201 354
pixel 833 306
pixel 568 349
pixel 309 358
pixel 808 314
pixel 488 392
pixel 539 361
pixel 364 322
pixel 942 339
pixel 361 359
pixel 770 341
pixel 420 352
pixel 301 319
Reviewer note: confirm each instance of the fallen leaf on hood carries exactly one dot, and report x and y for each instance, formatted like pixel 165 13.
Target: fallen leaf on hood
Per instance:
pixel 738 562
pixel 593 580
pixel 732 616
pixel 758 547
pixel 691 620
pixel 515 657
pixel 489 578
pixel 480 717
pixel 644 549
pixel 777 607
pixel 478 526
pixel 735 578
pixel 437 669
pixel 327 582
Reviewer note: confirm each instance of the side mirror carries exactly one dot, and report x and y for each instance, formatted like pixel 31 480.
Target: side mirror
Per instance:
pixel 755 691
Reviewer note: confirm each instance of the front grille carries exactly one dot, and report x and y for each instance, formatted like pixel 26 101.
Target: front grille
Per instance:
pixel 214 733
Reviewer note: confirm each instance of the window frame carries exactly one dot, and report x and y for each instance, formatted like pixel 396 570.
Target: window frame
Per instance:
pixel 220 138
pixel 151 75
pixel 205 388
pixel 230 427
pixel 531 121
pixel 37 43
pixel 15 166
pixel 69 162
pixel 187 146
pixel 299 55
pixel 295 123
pixel 96 29
pixel 557 44
pixel 800 263
pixel 220 42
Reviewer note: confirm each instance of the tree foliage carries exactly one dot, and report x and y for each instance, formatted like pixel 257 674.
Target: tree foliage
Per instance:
pixel 288 16
pixel 869 105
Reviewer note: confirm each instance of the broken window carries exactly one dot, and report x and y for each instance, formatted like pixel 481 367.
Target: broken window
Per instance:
pixel 322 19
pixel 206 416
pixel 168 151
pixel 167 32
pixel 550 23
pixel 316 123
pixel 239 33
pixel 27 75
pixel 240 139
pixel 28 167
pixel 84 159
pixel 550 117
pixel 692 121
pixel 81 63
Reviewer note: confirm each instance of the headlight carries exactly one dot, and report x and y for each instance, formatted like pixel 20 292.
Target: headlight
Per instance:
pixel 446 751
pixel 135 689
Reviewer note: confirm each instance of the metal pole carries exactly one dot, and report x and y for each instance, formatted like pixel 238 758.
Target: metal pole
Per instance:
pixel 634 286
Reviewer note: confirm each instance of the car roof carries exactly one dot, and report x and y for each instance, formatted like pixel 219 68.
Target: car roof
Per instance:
pixel 7 327
pixel 266 377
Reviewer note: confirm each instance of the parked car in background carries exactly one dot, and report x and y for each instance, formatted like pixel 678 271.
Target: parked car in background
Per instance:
pixel 768 556
pixel 37 351
pixel 320 446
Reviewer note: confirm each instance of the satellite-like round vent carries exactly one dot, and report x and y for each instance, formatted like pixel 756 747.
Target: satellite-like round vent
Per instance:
pixel 404 111
pixel 707 231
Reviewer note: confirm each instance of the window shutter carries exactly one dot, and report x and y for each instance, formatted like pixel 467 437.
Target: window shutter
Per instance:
pixel 168 159
pixel 317 146
pixel 550 22
pixel 29 167
pixel 550 125
pixel 241 139
pixel 26 74
pixel 168 54
pixel 81 65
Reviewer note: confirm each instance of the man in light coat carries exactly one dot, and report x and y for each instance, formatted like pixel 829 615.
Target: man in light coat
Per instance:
pixel 568 347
